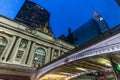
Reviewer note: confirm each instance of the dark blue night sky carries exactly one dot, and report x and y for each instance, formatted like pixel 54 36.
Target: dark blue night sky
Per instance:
pixel 68 13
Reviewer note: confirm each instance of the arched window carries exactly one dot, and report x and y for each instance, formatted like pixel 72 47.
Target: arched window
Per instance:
pixel 3 43
pixel 23 43
pixel 39 57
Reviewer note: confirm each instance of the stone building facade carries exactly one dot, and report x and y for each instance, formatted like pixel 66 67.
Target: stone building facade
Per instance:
pixel 23 50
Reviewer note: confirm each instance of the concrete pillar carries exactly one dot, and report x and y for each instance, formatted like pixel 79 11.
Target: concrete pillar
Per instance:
pixel 52 56
pixel 31 56
pixel 59 53
pixel 8 48
pixel 14 52
pixel 24 58
pixel 48 54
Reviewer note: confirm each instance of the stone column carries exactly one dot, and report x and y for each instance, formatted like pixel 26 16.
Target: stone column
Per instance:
pixel 9 47
pixel 47 57
pixel 52 57
pixel 24 58
pixel 14 52
pixel 31 56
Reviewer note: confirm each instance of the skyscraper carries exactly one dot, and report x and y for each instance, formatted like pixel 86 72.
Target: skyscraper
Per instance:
pixel 34 15
pixel 102 23
pixel 91 29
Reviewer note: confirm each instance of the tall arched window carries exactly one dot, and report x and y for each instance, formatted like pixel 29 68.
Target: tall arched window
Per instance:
pixel 39 57
pixel 3 43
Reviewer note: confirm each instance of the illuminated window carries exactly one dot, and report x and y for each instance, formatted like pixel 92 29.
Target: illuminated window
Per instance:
pixel 23 43
pixel 3 43
pixel 39 57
